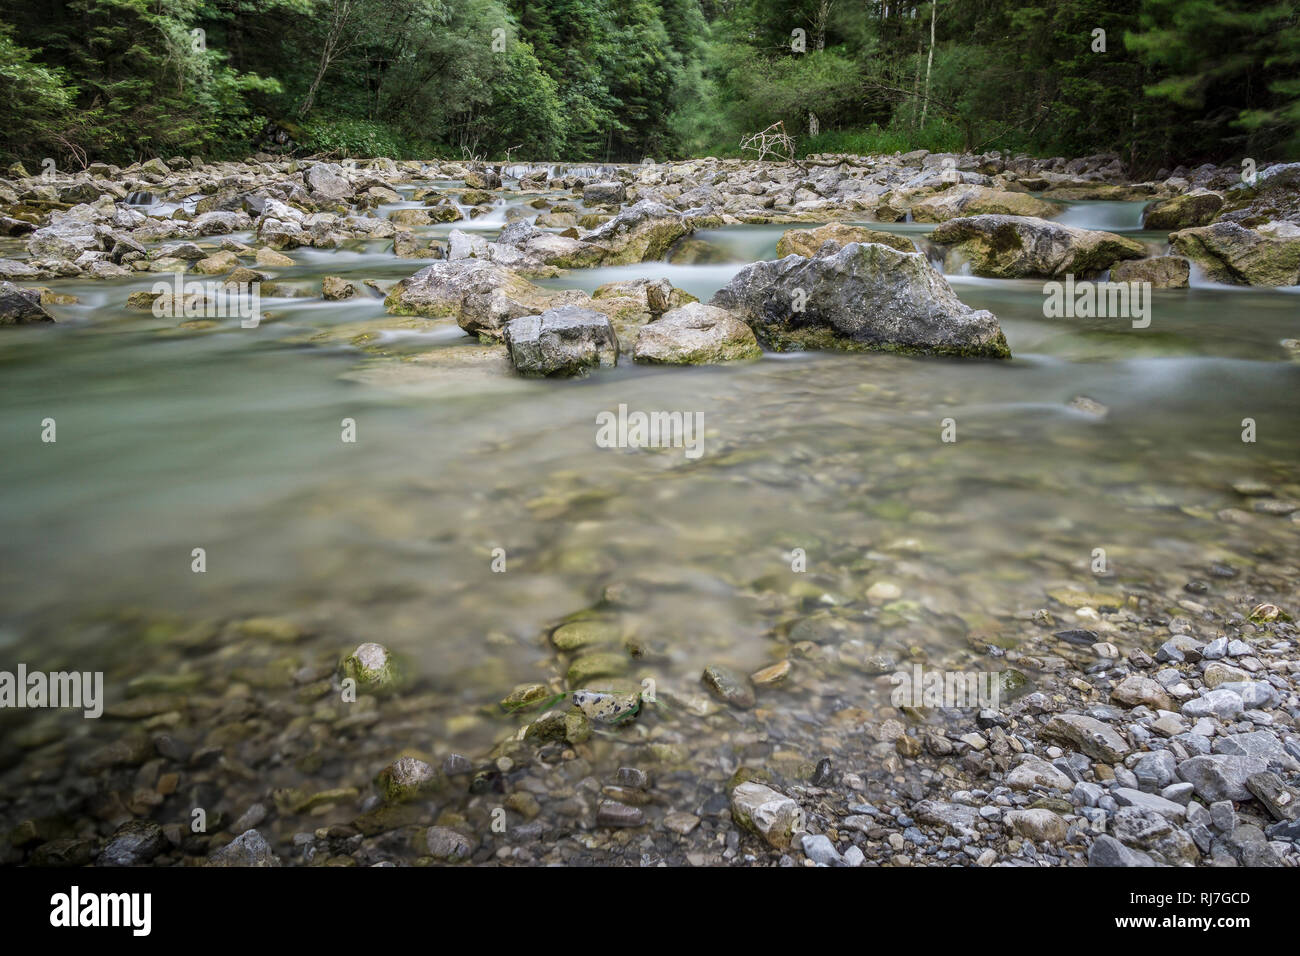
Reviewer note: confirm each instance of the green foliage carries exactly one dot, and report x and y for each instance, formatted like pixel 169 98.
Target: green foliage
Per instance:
pixel 1178 81
pixel 39 103
pixel 349 137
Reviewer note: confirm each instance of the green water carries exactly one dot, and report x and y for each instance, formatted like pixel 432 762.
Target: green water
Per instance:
pixel 228 439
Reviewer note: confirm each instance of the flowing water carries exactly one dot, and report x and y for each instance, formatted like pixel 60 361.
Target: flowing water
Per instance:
pixel 229 439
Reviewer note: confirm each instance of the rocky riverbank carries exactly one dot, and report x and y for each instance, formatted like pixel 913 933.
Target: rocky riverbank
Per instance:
pixel 1181 751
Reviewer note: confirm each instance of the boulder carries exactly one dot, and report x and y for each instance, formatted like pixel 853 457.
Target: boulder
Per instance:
pixel 810 242
pixel 569 340
pixel 1234 254
pixel 695 334
pixel 481 296
pixel 1019 247
pixel 1088 735
pixel 959 201
pixel 640 233
pixel 19 306
pixel 219 222
pixel 335 288
pixel 65 237
pixel 867 296
pixel 632 303
pixel 603 192
pixel 1195 208
pixel 327 182
pixel 1163 272
pixel 1275 195
pixel 1221 776
pixel 539 247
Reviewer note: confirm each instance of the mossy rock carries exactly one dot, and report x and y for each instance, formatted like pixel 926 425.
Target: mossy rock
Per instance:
pixel 587 668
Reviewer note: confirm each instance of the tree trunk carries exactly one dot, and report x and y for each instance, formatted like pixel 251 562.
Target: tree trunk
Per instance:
pixel 340 18
pixel 819 24
pixel 934 12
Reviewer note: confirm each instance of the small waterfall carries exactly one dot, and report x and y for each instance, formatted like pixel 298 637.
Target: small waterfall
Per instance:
pixel 1104 215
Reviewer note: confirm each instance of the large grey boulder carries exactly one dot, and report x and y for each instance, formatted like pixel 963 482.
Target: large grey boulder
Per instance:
pixel 1221 776
pixel 965 200
pixel 866 296
pixel 569 340
pixel 1231 253
pixel 1019 247
pixel 695 334
pixel 19 306
pixel 67 235
pixel 604 192
pixel 522 245
pixel 480 295
pixel 327 182
pixel 640 233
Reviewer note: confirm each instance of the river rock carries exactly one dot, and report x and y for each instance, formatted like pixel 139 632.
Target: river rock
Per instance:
pixel 810 242
pixel 133 843
pixel 67 236
pixel 1136 690
pixel 639 233
pixel 866 296
pixel 1221 776
pixel 765 812
pixel 1035 772
pixel 19 306
pixel 249 849
pixel 569 340
pixel 1234 254
pixel 1148 830
pixel 603 192
pixel 521 245
pixel 1107 851
pixel 695 334
pixel 1163 272
pixel 1088 735
pixel 327 182
pixel 406 778
pixel 964 200
pixel 444 843
pixel 961 820
pixel 1020 247
pixel 1195 208
pixel 1128 797
pixel 1275 195
pixel 1222 703
pixel 369 665
pixel 1259 743
pixel 480 296
pixel 1037 825
pixel 631 303
pixel 1278 797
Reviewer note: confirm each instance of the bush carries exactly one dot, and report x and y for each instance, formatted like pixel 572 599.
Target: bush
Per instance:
pixel 351 137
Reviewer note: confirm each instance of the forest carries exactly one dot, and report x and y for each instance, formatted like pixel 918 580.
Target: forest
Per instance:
pixel 1159 82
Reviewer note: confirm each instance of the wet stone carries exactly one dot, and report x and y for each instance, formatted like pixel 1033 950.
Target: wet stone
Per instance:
pixel 729 687
pixel 614 814
pixel 249 849
pixel 133 843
